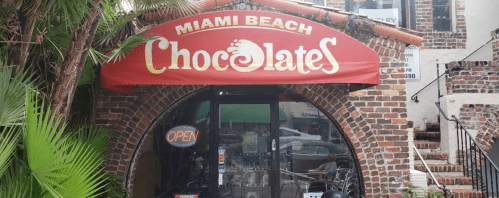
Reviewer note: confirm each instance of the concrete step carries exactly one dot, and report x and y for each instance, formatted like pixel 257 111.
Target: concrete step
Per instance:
pixel 433 136
pixel 431 155
pixel 425 144
pixel 450 181
pixel 452 187
pixel 446 174
pixel 439 168
pixel 417 162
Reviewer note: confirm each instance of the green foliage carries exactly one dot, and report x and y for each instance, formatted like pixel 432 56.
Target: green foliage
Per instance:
pixel 8 142
pixel 37 157
pixel 48 161
pixel 125 46
pixel 431 193
pixel 12 97
pixel 19 183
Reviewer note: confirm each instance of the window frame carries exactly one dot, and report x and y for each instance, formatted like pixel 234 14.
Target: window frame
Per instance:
pixel 407 14
pixel 450 7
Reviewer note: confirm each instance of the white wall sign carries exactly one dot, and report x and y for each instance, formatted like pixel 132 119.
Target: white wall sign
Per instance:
pixel 411 62
pixel 388 15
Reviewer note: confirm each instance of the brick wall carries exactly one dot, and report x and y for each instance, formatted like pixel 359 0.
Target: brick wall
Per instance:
pixel 338 4
pixel 473 77
pixel 384 109
pixel 489 132
pixel 495 45
pixel 474 116
pixel 440 40
pixel 373 119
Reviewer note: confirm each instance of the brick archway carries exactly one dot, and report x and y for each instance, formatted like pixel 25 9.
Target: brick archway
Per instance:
pixel 151 104
pixel 374 119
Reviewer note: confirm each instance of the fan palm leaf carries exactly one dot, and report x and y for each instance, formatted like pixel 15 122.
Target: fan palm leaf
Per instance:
pixel 85 178
pixel 82 171
pixel 12 94
pixel 8 143
pixel 44 146
pixel 19 183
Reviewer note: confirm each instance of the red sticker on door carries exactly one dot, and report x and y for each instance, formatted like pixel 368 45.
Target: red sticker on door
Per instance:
pixel 221 158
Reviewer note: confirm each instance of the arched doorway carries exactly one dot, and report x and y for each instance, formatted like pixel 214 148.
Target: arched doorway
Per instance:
pixel 235 155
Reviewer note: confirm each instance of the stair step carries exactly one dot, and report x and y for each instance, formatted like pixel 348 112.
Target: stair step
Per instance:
pixel 445 180
pixel 424 144
pixel 427 135
pixel 459 193
pixel 452 187
pixel 440 167
pixel 446 174
pixel 432 127
pixel 417 162
pixel 466 193
pixel 431 156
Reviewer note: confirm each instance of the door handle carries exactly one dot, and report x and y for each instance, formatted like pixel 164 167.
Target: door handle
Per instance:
pixel 273 145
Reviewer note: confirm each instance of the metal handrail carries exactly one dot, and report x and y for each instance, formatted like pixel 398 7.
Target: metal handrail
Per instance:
pixel 477 175
pixel 465 130
pixel 474 141
pixel 443 113
pixel 441 186
pixel 415 96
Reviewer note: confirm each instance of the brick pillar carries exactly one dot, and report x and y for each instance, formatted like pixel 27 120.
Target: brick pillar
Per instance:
pixel 495 45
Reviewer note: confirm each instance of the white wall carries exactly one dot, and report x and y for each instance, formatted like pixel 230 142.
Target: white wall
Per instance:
pixel 481 19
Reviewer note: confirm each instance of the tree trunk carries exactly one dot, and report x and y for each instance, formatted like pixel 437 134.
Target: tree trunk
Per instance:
pixel 74 61
pixel 28 14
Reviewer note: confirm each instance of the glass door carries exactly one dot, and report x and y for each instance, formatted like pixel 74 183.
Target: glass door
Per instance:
pixel 246 131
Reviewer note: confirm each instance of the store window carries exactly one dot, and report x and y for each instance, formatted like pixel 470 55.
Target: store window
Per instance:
pixel 313 153
pixel 441 15
pixel 184 170
pixel 398 12
pixel 274 145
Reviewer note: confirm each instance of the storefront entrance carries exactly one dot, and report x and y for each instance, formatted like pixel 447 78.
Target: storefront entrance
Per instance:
pixel 252 141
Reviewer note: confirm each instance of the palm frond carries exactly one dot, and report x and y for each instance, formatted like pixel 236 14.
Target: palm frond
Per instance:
pixel 113 23
pixel 87 76
pixel 126 45
pixel 85 178
pixel 8 143
pixel 70 12
pixel 19 183
pixel 12 94
pixel 96 57
pixel 180 7
pixel 96 136
pixel 83 170
pixel 44 146
pixel 114 188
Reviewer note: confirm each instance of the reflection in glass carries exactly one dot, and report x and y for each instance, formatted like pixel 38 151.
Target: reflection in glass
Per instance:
pixel 313 155
pixel 244 150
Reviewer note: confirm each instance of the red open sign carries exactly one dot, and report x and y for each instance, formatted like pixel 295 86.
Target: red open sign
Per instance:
pixel 186 196
pixel 182 136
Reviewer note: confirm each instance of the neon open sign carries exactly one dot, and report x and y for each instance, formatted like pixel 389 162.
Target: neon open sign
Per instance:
pixel 182 136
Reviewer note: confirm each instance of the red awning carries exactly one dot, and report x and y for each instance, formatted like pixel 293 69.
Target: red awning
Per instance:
pixel 243 47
